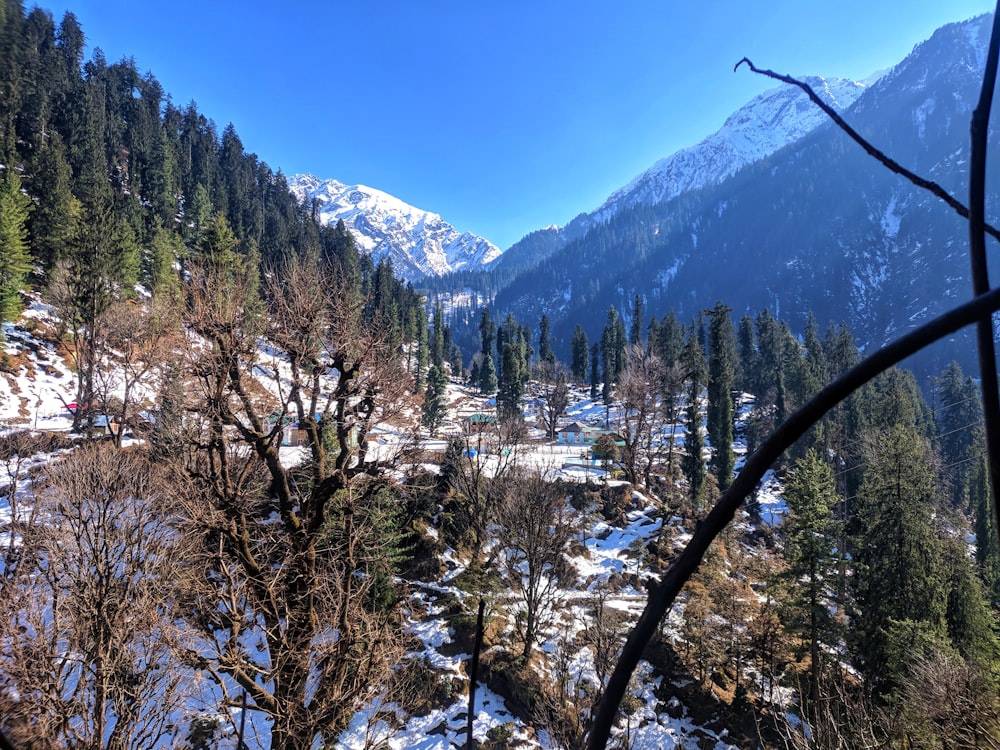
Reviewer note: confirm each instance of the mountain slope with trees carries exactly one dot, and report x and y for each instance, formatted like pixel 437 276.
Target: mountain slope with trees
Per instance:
pixel 815 227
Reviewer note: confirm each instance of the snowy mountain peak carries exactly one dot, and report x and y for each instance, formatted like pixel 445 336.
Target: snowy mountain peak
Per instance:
pixel 419 243
pixel 768 122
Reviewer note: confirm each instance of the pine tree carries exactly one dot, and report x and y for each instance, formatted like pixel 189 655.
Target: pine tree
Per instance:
pixel 57 211
pixel 15 260
pixel 635 329
pixel 165 249
pixel 987 545
pixel 580 350
pixel 722 366
pixel 899 581
pixel 692 463
pixel 545 353
pixel 971 624
pixel 487 331
pixel 420 361
pixel 811 535
pixel 488 376
pixel 435 399
pixel 510 389
pixel 437 336
pixel 747 350
pixel 669 342
pixel 595 370
pixel 959 422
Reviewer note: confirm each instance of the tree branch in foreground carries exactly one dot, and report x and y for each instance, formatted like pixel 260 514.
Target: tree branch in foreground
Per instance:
pixel 662 594
pixel 883 159
pixel 977 256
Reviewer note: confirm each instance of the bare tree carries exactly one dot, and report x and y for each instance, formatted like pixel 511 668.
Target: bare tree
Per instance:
pixel 288 595
pixel 137 339
pixel 642 419
pixel 478 478
pixel 87 626
pixel 533 536
pixel 553 392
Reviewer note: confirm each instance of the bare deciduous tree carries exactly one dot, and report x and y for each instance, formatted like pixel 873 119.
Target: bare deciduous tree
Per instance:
pixel 87 626
pixel 533 535
pixel 642 417
pixel 284 594
pixel 137 339
pixel 553 393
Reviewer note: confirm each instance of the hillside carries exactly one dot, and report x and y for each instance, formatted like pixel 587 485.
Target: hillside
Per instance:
pixel 815 226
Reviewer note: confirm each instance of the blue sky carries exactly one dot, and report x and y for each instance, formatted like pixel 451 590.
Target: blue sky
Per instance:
pixel 503 117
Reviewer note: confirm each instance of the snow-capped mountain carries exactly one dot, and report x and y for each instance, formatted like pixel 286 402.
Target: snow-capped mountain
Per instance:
pixel 768 122
pixel 419 243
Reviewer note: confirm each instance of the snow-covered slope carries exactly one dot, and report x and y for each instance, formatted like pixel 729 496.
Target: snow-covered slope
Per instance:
pixel 767 123
pixel 419 243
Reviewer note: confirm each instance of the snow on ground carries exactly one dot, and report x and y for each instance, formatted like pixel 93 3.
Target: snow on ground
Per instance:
pixel 770 500
pixel 35 388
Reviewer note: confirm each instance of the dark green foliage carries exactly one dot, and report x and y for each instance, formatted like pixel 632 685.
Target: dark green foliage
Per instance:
pixel 968 617
pixel 900 584
pixel 487 377
pixel 811 533
pixel 669 341
pixel 15 261
pixel 595 371
pixel 54 220
pixel 437 349
pixel 959 422
pixel 693 463
pixel 613 344
pixel 376 540
pixel 435 399
pixel 746 344
pixel 581 347
pixel 510 390
pixel 545 353
pixel 487 331
pixel 987 538
pixel 635 328
pixel 722 366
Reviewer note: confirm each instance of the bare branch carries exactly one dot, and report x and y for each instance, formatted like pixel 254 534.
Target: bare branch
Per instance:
pixel 977 257
pixel 886 161
pixel 662 594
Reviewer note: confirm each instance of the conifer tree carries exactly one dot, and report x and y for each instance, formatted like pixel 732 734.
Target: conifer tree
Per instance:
pixel 669 343
pixel 692 463
pixel 15 260
pixel 635 328
pixel 811 536
pixel 545 353
pixel 487 331
pixel 420 361
pixel 595 370
pixel 510 389
pixel 435 399
pixel 959 423
pixel 580 350
pixel 437 336
pixel 899 581
pixel 747 350
pixel 488 376
pixel 57 211
pixel 722 366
